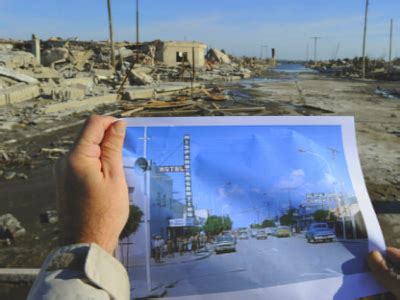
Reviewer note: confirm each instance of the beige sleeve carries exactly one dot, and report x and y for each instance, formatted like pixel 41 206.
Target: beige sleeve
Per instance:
pixel 81 271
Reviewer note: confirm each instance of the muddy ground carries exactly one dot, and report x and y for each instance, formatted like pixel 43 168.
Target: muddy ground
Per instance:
pixel 378 135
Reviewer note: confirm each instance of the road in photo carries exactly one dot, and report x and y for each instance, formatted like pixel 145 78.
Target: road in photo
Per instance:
pixel 257 264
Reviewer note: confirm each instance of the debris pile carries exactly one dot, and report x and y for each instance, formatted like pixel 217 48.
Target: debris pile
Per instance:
pixel 10 229
pixel 52 85
pixel 378 69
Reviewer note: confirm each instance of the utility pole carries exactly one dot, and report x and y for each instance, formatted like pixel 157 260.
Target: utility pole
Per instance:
pixel 263 47
pixel 111 34
pixel 391 42
pixel 315 38
pixel 365 37
pixel 137 31
pixel 336 51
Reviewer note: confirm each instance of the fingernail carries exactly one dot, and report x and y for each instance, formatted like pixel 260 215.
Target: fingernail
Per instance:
pixel 376 255
pixel 377 261
pixel 120 126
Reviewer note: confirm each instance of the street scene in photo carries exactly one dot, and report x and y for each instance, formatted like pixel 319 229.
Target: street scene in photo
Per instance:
pixel 234 208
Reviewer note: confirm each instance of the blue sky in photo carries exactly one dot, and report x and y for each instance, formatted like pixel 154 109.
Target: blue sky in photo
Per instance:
pixel 240 27
pixel 249 172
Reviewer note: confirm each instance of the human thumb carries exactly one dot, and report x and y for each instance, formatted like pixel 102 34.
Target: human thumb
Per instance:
pixel 111 149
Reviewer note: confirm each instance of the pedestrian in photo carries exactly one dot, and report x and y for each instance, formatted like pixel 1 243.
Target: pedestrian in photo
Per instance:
pixel 185 245
pixel 153 240
pixel 170 248
pixel 163 247
pixel 158 246
pixel 190 244
pixel 180 246
pixel 197 240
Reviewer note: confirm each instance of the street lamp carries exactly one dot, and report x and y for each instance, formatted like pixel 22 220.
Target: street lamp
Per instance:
pixel 334 186
pixel 144 164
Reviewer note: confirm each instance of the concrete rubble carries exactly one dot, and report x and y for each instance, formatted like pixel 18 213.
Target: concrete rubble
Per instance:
pixel 377 69
pixel 10 228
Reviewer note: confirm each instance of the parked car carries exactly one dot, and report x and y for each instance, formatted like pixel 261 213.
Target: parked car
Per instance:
pixel 225 243
pixel 261 235
pixel 320 232
pixel 243 236
pixel 269 231
pixel 283 231
pixel 273 231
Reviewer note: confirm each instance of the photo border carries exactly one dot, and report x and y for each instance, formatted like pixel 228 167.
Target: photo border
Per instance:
pixel 355 285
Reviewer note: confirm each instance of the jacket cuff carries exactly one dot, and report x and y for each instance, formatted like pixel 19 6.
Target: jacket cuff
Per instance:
pixel 98 266
pixel 106 272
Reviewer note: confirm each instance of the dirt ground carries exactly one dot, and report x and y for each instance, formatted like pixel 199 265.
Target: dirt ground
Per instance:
pixel 378 135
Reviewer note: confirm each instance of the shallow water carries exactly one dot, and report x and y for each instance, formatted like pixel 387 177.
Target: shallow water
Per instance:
pixel 293 68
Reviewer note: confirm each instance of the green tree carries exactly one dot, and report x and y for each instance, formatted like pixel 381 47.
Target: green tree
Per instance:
pixel 133 223
pixel 216 224
pixel 227 223
pixel 268 223
pixel 323 215
pixel 193 230
pixel 288 218
pixel 255 226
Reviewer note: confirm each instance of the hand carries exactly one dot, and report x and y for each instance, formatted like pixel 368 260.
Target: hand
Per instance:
pixel 382 271
pixel 92 191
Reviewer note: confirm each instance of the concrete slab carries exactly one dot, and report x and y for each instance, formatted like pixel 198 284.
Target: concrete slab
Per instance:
pixel 18 93
pixel 17 76
pixel 80 105
pixel 18 275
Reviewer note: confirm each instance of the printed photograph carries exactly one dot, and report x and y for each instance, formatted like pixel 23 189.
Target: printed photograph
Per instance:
pixel 232 208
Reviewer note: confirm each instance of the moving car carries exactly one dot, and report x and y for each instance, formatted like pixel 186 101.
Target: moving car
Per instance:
pixel 261 235
pixel 320 232
pixel 282 231
pixel 225 243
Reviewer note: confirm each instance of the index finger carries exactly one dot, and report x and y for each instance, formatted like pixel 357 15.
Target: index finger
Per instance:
pixel 94 130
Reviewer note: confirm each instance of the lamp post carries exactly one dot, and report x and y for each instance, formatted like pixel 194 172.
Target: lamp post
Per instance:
pixel 146 168
pixel 334 186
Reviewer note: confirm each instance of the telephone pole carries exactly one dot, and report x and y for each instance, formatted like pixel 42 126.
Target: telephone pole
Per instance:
pixel 137 31
pixel 365 37
pixel 315 38
pixel 111 34
pixel 390 42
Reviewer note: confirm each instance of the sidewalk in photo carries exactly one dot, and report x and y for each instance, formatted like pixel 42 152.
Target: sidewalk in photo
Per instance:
pixel 352 240
pixel 139 290
pixel 177 259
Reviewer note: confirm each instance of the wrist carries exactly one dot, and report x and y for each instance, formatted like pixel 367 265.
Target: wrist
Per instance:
pixel 108 244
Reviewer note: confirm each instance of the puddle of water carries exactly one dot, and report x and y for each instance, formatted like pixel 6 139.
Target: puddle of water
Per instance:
pixel 293 68
pixel 388 93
